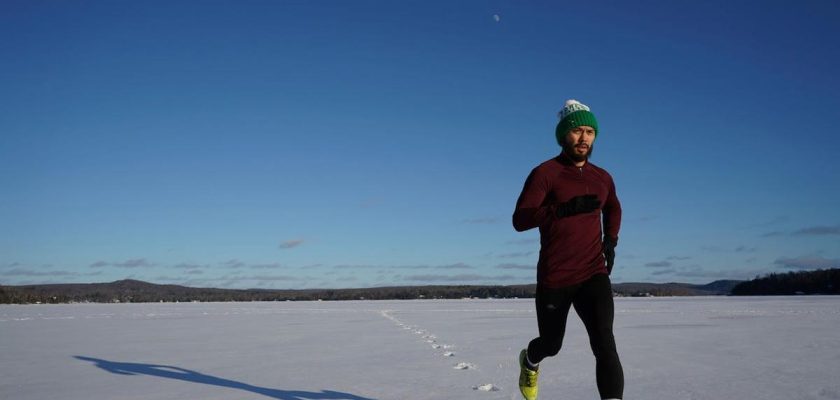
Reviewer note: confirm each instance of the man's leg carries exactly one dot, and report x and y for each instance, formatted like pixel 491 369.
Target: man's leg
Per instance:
pixel 594 305
pixel 552 310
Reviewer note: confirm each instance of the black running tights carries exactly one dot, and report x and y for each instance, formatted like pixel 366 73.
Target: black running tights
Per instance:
pixel 593 303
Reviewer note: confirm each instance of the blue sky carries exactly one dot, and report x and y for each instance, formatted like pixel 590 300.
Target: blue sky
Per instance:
pixel 299 144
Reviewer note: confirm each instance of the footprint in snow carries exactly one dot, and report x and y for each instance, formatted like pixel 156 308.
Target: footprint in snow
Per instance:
pixel 463 366
pixel 432 340
pixel 487 387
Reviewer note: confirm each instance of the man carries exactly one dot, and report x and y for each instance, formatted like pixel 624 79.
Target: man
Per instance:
pixel 565 198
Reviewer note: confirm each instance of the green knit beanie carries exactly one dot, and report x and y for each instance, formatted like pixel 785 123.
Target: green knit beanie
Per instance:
pixel 573 115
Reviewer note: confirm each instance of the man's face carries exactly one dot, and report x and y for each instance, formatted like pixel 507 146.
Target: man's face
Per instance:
pixel 578 144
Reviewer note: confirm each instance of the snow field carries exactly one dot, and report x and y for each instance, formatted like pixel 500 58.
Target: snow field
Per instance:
pixel 775 348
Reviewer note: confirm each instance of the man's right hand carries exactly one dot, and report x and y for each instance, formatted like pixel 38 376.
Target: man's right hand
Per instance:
pixel 578 205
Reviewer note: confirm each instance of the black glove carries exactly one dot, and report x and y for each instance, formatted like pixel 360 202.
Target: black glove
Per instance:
pixel 609 252
pixel 578 205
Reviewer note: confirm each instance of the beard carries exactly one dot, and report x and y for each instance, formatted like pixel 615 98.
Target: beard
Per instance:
pixel 569 149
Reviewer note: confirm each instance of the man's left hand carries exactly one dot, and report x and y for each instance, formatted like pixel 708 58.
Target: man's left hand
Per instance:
pixel 609 252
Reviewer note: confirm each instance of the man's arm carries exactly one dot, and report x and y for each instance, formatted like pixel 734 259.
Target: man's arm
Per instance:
pixel 612 214
pixel 612 223
pixel 530 211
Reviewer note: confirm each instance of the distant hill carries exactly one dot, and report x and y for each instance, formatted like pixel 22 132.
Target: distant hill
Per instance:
pixel 716 288
pixel 139 292
pixel 128 290
pixel 823 281
pixel 806 282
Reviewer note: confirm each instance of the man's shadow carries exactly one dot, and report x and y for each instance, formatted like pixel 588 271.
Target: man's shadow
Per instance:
pixel 166 371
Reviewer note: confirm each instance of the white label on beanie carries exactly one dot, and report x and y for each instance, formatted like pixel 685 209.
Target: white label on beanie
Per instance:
pixel 572 106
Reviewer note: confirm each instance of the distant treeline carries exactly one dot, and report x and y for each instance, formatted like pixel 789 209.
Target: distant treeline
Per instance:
pixel 128 291
pixel 823 281
pixel 133 291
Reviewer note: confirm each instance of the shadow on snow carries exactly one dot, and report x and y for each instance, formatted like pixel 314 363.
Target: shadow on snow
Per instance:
pixel 166 371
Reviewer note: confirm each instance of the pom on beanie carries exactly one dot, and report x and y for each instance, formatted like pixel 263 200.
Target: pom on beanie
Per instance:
pixel 573 115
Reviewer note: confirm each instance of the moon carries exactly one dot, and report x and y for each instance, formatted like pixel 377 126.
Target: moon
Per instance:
pixel 496 17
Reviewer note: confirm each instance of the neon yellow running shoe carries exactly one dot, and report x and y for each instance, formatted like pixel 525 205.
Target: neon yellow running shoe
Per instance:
pixel 527 378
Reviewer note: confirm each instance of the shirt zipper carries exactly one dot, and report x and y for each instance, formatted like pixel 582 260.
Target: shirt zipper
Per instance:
pixel 586 184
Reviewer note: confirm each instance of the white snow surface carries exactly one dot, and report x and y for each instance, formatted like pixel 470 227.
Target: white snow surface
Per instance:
pixel 715 348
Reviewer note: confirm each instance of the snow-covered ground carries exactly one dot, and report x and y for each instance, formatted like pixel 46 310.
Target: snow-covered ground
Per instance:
pixel 672 348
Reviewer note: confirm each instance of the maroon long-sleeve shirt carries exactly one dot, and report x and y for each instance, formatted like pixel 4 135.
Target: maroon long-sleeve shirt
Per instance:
pixel 571 248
